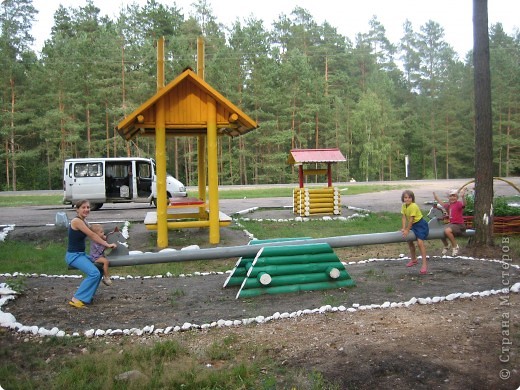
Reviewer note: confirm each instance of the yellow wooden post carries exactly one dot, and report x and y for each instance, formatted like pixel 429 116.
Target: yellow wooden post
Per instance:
pixel 160 158
pixel 200 57
pixel 160 63
pixel 160 153
pixel 201 145
pixel 214 227
pixel 201 152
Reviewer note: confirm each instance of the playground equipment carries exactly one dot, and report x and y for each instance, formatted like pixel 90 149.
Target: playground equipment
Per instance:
pixel 284 269
pixel 187 107
pixel 252 250
pixel 114 237
pixel 284 265
pixel 313 201
pixel 274 267
pixel 437 215
pixel 494 178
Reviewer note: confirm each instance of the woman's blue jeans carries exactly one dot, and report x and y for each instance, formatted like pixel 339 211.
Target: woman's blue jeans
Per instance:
pixel 90 284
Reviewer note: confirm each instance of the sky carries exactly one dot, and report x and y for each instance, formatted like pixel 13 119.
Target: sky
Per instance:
pixel 348 16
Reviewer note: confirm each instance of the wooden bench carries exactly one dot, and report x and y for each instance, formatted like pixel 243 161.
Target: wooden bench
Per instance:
pixel 176 203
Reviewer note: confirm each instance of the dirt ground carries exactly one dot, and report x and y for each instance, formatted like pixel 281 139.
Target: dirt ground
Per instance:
pixel 465 343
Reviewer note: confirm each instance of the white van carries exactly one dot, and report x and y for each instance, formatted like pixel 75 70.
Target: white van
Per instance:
pixel 114 180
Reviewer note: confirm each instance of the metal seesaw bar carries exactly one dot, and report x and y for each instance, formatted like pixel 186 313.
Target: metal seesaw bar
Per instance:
pixel 251 250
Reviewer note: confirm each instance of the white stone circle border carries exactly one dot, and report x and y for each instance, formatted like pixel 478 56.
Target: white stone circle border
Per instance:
pixel 7 320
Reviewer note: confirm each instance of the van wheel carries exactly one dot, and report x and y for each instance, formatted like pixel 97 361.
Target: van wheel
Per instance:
pixel 95 206
pixel 154 200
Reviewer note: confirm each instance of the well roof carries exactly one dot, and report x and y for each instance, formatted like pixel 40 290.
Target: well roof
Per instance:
pixel 302 156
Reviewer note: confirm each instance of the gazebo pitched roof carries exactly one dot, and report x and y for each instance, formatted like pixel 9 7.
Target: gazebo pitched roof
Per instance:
pixel 186 99
pixel 302 156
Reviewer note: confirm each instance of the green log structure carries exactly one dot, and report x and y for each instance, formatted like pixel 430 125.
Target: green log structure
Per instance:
pixel 253 292
pixel 291 269
pixel 294 279
pixel 240 271
pixel 288 268
pixel 297 259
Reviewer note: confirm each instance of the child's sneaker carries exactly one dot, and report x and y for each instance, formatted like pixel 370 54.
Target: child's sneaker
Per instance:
pixel 455 251
pixel 445 250
pixel 107 281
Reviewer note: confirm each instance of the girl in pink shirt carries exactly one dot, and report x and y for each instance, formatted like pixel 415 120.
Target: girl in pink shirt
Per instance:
pixel 456 225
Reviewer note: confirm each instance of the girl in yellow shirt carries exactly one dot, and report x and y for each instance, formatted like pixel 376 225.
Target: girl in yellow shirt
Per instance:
pixel 413 220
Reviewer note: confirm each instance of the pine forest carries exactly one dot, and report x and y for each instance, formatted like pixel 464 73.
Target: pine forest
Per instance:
pixel 303 83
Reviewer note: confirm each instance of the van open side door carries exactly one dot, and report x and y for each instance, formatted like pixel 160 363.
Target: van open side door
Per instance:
pixel 144 179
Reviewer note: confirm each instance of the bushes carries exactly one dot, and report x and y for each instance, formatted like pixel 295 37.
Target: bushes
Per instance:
pixel 501 208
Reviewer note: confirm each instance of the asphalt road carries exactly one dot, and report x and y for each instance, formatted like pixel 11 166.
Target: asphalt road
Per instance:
pixel 376 201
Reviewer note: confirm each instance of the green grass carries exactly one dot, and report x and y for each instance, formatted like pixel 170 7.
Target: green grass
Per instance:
pixel 75 363
pixel 317 228
pixel 30 200
pixel 48 258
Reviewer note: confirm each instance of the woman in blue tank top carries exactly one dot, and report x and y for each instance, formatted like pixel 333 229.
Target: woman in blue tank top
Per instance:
pixel 77 258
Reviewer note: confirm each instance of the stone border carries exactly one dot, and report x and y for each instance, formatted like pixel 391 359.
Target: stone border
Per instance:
pixel 7 320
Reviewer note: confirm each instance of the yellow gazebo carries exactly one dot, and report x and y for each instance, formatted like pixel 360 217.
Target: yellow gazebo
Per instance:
pixel 188 106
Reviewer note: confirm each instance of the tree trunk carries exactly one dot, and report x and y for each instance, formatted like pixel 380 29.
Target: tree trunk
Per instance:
pixel 7 176
pixel 434 151
pixel 176 153
pixel 107 129
pixel 230 156
pixel 447 148
pixel 61 108
pixel 483 219
pixel 508 139
pixel 13 139
pixel 88 132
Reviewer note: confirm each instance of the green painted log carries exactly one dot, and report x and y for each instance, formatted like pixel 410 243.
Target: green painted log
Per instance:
pixel 288 250
pixel 258 242
pixel 234 281
pixel 293 269
pixel 294 279
pixel 243 261
pixel 294 288
pixel 297 259
pixel 240 271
